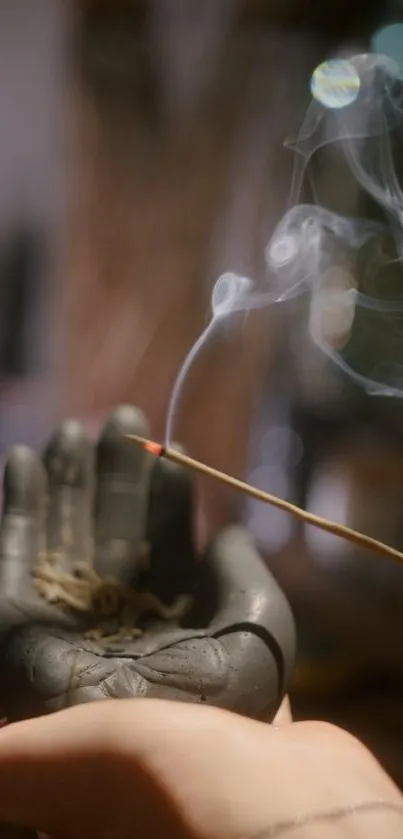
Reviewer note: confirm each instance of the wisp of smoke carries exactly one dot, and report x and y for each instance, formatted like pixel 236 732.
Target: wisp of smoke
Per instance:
pixel 341 264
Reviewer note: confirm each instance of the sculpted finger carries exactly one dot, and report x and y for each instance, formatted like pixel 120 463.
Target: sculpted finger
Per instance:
pixel 243 606
pixel 22 531
pixel 170 532
pixel 121 496
pixel 68 459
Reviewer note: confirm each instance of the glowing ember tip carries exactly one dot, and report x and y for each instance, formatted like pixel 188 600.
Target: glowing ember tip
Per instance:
pixel 148 445
pixel 154 448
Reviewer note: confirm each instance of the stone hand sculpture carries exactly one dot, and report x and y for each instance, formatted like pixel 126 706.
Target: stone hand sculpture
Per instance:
pixel 109 526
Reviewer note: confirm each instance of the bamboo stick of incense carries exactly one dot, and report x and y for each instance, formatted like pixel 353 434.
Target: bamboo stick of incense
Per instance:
pixel 353 536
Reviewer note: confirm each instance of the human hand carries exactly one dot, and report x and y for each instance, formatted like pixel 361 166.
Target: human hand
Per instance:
pixel 151 768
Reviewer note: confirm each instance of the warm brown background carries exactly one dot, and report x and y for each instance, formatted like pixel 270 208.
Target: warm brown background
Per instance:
pixel 168 151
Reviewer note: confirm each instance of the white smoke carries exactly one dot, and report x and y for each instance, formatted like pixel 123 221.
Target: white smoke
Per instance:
pixel 336 261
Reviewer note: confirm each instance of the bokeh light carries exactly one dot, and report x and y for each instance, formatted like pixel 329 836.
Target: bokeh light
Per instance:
pixel 389 41
pixel 335 83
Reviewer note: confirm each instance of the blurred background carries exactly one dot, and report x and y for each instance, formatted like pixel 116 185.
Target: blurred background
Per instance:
pixel 142 155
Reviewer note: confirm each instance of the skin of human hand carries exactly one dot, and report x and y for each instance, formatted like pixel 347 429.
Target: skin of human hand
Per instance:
pixel 152 768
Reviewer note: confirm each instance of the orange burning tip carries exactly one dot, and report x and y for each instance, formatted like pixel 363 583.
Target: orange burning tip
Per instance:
pixel 148 445
pixel 154 448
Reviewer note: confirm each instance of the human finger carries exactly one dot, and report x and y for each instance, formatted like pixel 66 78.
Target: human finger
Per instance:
pixel 160 768
pixel 71 774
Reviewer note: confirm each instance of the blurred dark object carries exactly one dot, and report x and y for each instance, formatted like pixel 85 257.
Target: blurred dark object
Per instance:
pixel 338 19
pixel 12 832
pixel 22 272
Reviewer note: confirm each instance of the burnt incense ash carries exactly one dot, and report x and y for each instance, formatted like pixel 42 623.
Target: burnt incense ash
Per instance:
pixel 115 608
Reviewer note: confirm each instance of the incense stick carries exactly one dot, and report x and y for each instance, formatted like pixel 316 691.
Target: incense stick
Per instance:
pixel 341 530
